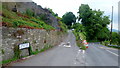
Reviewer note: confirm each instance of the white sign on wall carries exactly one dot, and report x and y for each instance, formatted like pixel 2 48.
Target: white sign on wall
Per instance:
pixel 25 45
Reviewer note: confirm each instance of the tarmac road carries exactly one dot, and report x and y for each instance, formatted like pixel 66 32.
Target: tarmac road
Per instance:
pixel 71 55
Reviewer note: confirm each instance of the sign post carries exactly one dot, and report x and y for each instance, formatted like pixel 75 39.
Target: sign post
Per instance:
pixel 25 46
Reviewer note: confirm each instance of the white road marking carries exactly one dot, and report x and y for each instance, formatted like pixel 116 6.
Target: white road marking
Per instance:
pixel 75 60
pixel 77 56
pixel 112 53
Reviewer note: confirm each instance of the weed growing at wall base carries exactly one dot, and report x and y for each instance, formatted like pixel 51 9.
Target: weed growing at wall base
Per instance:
pixel 46 47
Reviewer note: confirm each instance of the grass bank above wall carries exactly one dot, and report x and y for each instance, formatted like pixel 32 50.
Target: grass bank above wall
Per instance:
pixel 12 19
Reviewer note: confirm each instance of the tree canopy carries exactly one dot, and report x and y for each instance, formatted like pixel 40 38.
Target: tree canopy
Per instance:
pixel 95 23
pixel 68 18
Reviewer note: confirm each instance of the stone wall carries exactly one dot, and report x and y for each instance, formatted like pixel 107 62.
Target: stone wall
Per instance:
pixel 37 38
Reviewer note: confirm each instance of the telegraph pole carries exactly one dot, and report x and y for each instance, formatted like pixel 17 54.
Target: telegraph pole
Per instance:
pixel 111 26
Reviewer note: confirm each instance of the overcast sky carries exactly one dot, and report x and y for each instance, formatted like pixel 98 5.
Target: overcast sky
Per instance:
pixel 62 6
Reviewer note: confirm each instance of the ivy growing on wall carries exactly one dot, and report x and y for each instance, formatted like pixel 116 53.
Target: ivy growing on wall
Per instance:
pixel 17 52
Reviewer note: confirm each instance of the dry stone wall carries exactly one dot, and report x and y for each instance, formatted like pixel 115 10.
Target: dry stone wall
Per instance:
pixel 37 38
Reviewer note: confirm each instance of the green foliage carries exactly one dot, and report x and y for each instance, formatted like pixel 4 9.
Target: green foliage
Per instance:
pixel 54 14
pixel 63 26
pixel 24 20
pixel 42 24
pixel 17 23
pixel 30 13
pixel 8 14
pixel 115 47
pixel 79 38
pixel 80 35
pixel 78 27
pixel 106 43
pixel 2 51
pixel 16 52
pixel 94 22
pixel 104 34
pixel 46 47
pixel 115 38
pixel 68 18
pixel 42 17
pixel 115 41
pixel 8 61
pixel 27 22
pixel 79 31
pixel 81 45
pixel 31 51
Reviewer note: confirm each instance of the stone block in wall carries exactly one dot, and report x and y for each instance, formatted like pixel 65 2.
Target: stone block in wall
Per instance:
pixel 8 54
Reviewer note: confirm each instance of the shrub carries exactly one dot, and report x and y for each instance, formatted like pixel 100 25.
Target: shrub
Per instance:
pixel 42 17
pixel 31 51
pixel 62 26
pixel 81 45
pixel 16 52
pixel 30 13
pixel 9 14
pixel 42 24
pixel 80 36
pixel 17 23
pixel 106 43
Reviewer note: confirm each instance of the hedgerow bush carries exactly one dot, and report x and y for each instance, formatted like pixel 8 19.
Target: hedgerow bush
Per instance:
pixel 106 43
pixel 63 26
pixel 80 36
pixel 30 13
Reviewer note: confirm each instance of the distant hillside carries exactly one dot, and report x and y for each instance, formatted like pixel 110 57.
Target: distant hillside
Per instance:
pixel 30 15
pixel 114 30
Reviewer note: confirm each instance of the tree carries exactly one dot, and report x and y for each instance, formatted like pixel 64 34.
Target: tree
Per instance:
pixel 95 23
pixel 68 18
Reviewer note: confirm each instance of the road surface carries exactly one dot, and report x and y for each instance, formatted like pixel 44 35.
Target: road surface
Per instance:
pixel 71 55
